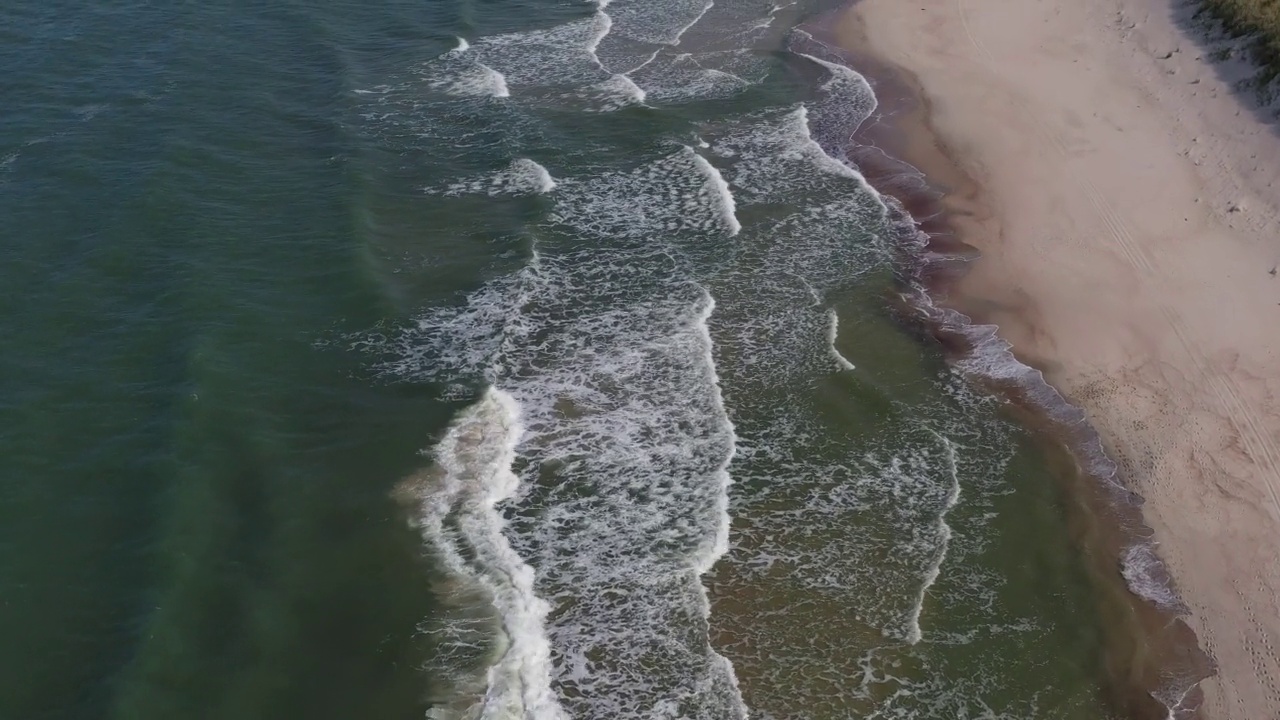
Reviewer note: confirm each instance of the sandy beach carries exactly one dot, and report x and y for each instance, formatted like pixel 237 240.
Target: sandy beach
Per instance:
pixel 1120 190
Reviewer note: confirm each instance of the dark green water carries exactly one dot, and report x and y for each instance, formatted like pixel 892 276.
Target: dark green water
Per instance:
pixel 194 518
pixel 258 257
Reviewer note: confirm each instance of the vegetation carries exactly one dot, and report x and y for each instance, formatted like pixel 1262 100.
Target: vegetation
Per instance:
pixel 1258 20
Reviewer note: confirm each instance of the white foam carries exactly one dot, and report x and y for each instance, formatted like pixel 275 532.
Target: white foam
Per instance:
pixel 458 72
pixel 658 22
pixel 675 196
pixel 462 525
pixel 602 26
pixel 616 93
pixel 847 102
pixel 1147 578
pixel 475 80
pixel 773 15
pixel 604 341
pixel 555 59
pixel 522 177
pixel 826 162
pixel 839 74
pixel 720 545
pixel 535 176
pixel 833 329
pixel 645 34
pixel 721 189
pixel 675 40
pixel 683 77
pixel 1174 702
pixel 914 633
pixel 565 61
pixel 497 82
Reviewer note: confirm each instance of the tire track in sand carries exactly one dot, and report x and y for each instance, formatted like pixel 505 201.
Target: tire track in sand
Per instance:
pixel 1240 414
pixel 964 22
pixel 1115 225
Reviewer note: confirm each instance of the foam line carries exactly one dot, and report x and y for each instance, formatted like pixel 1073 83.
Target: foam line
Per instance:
pixel 680 33
pixel 652 57
pixel 828 163
pixel 914 633
pixel 833 329
pixel 837 71
pixel 720 542
pixel 836 165
pixel 622 91
pixel 538 177
pixel 603 24
pixel 497 82
pixel 721 188
pixel 1147 578
pixel 461 522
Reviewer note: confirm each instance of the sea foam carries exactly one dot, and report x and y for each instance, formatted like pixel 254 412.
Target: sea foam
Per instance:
pixel 522 177
pixel 603 340
pixel 463 527
pixel 833 331
pixel 914 633
pixel 720 188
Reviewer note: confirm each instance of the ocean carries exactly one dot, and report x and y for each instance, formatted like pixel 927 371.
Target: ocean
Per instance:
pixel 463 359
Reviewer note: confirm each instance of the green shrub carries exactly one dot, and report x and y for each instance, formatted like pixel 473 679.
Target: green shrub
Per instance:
pixel 1258 19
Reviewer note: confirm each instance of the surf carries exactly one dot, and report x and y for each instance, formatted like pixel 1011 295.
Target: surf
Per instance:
pixel 463 528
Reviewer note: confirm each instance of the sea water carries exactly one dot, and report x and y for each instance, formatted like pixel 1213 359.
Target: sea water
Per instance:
pixel 461 360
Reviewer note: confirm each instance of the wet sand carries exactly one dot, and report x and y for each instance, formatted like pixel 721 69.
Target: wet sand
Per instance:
pixel 1119 192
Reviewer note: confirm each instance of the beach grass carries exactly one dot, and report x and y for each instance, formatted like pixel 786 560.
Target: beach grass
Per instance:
pixel 1258 20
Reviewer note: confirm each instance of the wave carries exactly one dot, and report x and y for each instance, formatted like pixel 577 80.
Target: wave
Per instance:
pixel 522 177
pixel 1146 576
pixel 605 343
pixel 617 92
pixel 850 101
pixel 481 80
pixel 457 73
pixel 603 340
pixel 718 187
pixel 551 62
pixel 685 77
pixel 833 330
pixel 914 633
pixel 660 22
pixel 604 23
pixel 597 59
pixel 461 524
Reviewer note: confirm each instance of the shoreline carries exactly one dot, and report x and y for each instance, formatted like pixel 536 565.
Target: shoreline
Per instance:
pixel 1153 661
pixel 1002 165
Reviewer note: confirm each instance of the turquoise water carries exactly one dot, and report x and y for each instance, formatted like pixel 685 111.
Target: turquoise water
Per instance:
pixel 461 359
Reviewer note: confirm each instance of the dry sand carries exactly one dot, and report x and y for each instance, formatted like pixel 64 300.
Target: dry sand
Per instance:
pixel 1128 222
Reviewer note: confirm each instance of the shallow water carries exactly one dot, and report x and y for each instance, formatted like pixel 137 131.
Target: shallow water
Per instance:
pixel 472 361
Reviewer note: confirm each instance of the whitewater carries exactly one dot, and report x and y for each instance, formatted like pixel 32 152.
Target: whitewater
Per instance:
pixel 703 491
